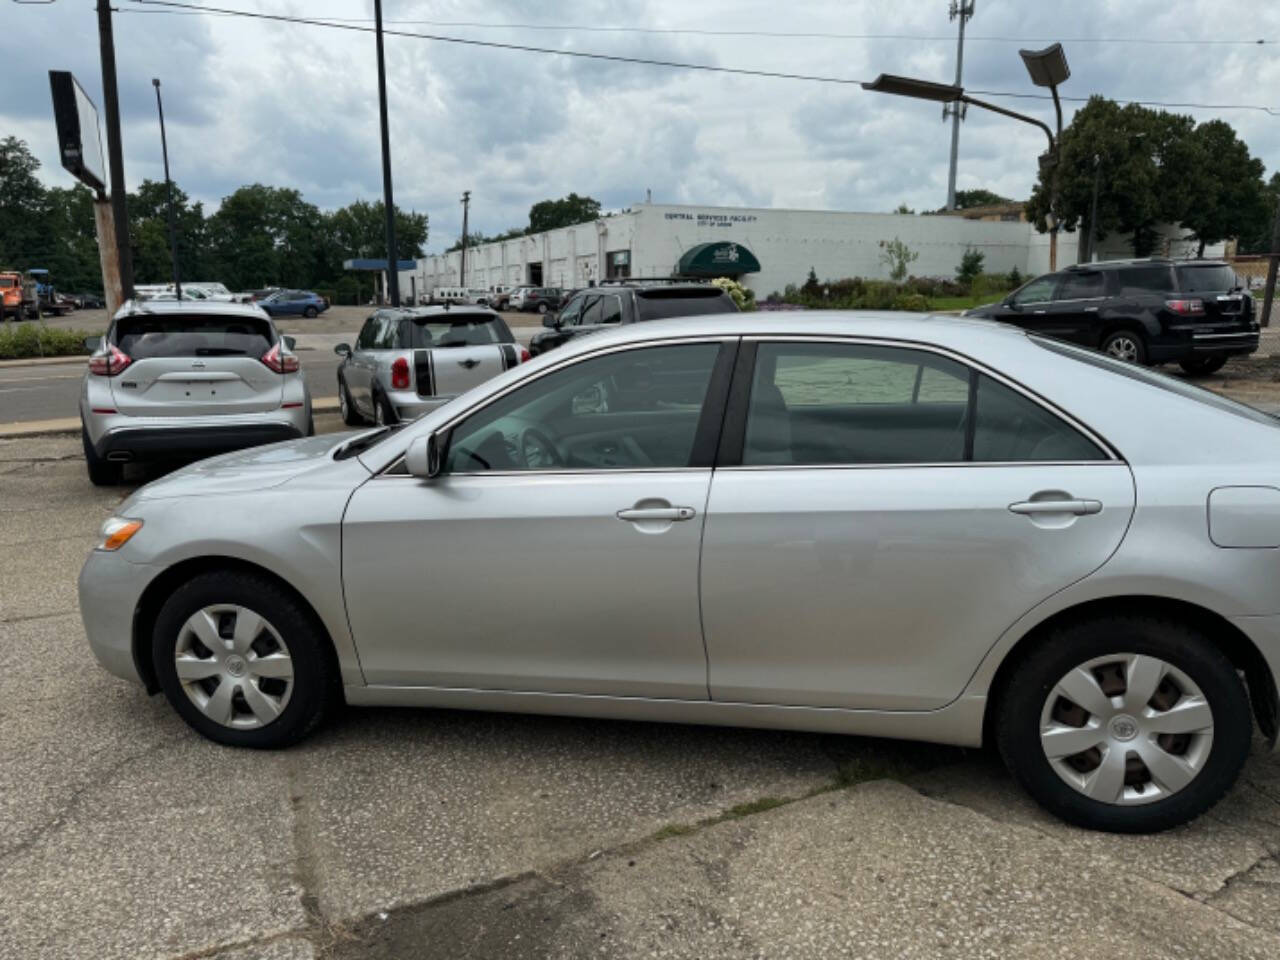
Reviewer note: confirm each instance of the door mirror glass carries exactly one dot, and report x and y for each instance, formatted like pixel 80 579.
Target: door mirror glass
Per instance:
pixel 342 349
pixel 92 344
pixel 422 459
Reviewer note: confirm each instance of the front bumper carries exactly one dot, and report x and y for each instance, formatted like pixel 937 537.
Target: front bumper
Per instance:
pixel 110 588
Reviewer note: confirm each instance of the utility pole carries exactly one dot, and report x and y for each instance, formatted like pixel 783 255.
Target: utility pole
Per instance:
pixel 168 186
pixel 393 257
pixel 115 149
pixel 1269 296
pixel 962 10
pixel 462 261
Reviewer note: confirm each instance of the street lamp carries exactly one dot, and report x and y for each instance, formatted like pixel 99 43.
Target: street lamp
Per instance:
pixel 168 186
pixel 1047 67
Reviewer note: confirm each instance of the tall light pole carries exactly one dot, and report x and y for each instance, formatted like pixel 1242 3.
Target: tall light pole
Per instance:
pixel 963 9
pixel 168 186
pixel 462 260
pixel 1047 67
pixel 393 257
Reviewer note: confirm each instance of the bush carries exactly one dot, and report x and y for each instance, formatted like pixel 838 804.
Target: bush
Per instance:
pixel 31 339
pixel 911 301
pixel 1015 279
pixel 970 267
pixel 744 297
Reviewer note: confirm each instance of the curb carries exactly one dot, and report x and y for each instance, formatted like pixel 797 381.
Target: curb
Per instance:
pixel 71 425
pixel 41 361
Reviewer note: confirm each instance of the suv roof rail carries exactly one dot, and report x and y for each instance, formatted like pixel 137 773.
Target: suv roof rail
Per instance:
pixel 1121 262
pixel 621 281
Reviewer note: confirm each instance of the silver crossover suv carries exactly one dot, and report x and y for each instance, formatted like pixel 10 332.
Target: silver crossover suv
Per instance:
pixel 916 527
pixel 182 378
pixel 411 360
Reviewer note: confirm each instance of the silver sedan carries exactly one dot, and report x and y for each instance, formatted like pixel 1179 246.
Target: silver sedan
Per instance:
pixel 900 526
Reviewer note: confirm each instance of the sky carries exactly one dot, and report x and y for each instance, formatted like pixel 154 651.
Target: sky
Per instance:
pixel 291 105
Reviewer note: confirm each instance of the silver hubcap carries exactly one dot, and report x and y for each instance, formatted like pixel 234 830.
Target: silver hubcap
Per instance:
pixel 379 417
pixel 1123 348
pixel 1126 729
pixel 342 401
pixel 234 666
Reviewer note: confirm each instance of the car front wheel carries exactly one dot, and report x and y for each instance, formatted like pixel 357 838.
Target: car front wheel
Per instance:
pixel 1202 366
pixel 310 312
pixel 242 661
pixel 1125 345
pixel 1126 724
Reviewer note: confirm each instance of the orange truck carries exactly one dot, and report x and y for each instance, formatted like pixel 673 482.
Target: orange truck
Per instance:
pixel 17 295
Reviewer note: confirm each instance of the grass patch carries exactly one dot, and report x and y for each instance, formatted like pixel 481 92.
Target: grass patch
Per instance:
pixel 21 341
pixel 674 830
pixel 753 806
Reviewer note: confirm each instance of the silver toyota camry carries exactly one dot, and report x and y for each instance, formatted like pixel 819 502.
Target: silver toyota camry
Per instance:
pixel 897 526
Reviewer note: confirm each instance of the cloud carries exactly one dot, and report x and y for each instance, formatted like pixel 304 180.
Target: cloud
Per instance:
pixel 296 106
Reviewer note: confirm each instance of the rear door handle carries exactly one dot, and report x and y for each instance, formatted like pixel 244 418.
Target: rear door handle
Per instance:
pixel 1079 507
pixel 636 514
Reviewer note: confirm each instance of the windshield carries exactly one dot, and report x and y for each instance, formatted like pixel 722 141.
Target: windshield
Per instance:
pixel 660 304
pixel 6 281
pixel 1152 378
pixel 457 331
pixel 186 336
pixel 1211 278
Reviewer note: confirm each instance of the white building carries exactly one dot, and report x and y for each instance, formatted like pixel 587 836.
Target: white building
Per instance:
pixel 765 249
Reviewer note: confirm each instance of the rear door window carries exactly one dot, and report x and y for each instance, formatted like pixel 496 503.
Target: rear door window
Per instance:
pixel 1082 285
pixel 145 337
pixel 1138 280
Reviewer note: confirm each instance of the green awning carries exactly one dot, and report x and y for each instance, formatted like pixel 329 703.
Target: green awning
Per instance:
pixel 719 259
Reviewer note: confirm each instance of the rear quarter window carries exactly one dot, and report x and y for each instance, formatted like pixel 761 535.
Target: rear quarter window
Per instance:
pixel 193 336
pixel 1215 278
pixel 1139 280
pixel 660 304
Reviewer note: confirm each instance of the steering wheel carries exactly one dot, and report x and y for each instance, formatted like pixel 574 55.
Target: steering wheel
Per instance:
pixel 538 451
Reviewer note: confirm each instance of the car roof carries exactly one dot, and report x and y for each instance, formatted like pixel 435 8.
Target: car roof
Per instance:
pixel 142 308
pixel 438 311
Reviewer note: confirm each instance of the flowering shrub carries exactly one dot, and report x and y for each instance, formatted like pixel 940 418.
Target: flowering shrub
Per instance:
pixel 744 297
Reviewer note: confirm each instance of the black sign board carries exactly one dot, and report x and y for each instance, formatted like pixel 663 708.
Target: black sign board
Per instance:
pixel 79 142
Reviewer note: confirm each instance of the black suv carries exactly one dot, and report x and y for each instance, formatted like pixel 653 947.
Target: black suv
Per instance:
pixel 1194 312
pixel 628 301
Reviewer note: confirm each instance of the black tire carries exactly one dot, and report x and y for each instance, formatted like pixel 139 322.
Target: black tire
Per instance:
pixel 310 312
pixel 311 425
pixel 1130 343
pixel 102 473
pixel 350 415
pixel 1202 366
pixel 383 414
pixel 1023 697
pixel 315 678
pixel 542 308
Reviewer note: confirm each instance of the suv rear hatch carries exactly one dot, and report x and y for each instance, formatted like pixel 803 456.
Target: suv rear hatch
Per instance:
pixel 1216 285
pixel 658 303
pixel 453 352
pixel 195 366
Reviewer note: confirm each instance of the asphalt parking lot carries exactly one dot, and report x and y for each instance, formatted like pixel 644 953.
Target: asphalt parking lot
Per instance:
pixel 450 834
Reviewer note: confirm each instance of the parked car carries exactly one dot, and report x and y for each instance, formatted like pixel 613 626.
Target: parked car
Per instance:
pixel 1195 313
pixel 410 360
pixel 87 301
pixel 872 525
pixel 175 378
pixel 540 300
pixel 500 296
pixel 285 303
pixel 515 300
pixel 616 303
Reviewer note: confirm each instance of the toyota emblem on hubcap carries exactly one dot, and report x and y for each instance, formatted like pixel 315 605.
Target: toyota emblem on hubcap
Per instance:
pixel 235 666
pixel 1124 727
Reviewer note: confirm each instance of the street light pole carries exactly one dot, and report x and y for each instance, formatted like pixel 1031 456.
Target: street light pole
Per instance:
pixel 393 257
pixel 168 186
pixel 462 260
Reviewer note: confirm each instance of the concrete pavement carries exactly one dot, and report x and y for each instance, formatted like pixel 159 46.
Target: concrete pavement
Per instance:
pixel 451 834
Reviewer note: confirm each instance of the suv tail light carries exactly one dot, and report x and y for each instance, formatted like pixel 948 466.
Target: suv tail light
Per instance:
pixel 525 355
pixel 279 361
pixel 110 363
pixel 1187 308
pixel 400 374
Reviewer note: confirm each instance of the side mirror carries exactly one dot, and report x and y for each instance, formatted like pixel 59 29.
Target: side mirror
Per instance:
pixel 92 344
pixel 422 459
pixel 1011 303
pixel 551 321
pixel 290 342
pixel 342 349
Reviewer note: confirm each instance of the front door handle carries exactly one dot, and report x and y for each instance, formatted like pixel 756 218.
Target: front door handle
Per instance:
pixel 1079 507
pixel 639 514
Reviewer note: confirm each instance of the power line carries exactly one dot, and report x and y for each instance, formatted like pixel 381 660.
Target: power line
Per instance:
pixel 783 34
pixel 646 61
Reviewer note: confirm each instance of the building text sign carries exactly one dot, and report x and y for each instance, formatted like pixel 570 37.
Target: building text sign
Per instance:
pixel 713 219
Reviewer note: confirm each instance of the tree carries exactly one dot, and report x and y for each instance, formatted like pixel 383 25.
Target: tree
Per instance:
pixel 149 234
pixel 967 199
pixel 360 230
pixel 264 235
pixel 1259 240
pixel 24 237
pixel 970 266
pixel 565 212
pixel 73 259
pixel 897 256
pixel 1230 196
pixel 904 209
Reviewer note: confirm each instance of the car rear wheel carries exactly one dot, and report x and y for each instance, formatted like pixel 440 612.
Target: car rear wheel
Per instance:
pixel 383 415
pixel 242 661
pixel 542 308
pixel 350 415
pixel 1126 724
pixel 102 473
pixel 310 312
pixel 1125 345
pixel 1202 366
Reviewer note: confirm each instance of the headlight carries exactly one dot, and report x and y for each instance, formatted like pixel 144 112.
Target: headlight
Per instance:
pixel 118 531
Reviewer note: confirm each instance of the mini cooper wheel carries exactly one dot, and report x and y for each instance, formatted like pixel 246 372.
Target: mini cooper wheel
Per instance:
pixel 1125 345
pixel 241 661
pixel 346 406
pixel 1125 724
